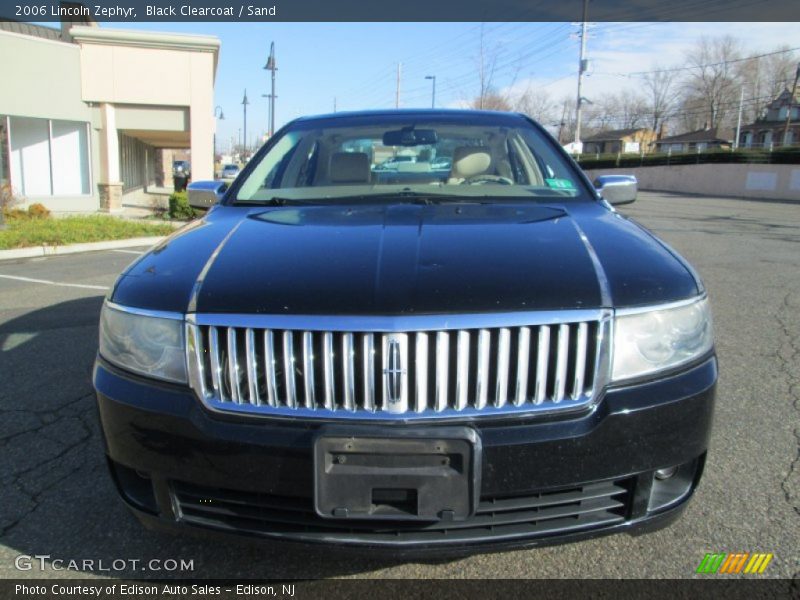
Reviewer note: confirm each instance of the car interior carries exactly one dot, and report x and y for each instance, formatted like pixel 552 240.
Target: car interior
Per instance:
pixel 450 155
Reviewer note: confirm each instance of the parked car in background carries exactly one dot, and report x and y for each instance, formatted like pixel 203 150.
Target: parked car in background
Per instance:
pixel 394 163
pixel 419 361
pixel 443 163
pixel 229 172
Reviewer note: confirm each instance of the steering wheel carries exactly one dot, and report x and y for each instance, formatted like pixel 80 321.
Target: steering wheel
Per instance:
pixel 486 178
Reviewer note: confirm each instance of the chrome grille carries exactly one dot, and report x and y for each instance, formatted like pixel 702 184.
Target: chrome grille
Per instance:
pixel 248 365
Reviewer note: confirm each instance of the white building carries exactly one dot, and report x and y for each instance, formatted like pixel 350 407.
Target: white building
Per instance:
pixel 84 110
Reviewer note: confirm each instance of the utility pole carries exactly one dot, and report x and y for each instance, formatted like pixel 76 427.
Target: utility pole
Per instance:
pixel 562 123
pixel 581 69
pixel 271 66
pixel 397 92
pixel 218 114
pixel 739 120
pixel 433 90
pixel 789 107
pixel 334 104
pixel 245 102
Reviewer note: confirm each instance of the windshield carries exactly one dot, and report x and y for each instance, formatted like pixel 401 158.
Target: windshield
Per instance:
pixel 434 156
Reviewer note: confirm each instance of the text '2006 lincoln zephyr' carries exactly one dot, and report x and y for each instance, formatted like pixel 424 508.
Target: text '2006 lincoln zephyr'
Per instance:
pixel 424 331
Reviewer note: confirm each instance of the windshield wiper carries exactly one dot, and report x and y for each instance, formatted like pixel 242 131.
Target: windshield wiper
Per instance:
pixel 416 197
pixel 274 201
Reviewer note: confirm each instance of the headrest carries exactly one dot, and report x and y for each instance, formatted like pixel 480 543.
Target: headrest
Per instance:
pixel 469 161
pixel 349 167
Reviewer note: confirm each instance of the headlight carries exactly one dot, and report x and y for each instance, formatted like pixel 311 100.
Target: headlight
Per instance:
pixel 150 345
pixel 655 340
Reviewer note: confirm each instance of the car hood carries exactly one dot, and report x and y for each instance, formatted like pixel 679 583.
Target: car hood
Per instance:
pixel 406 259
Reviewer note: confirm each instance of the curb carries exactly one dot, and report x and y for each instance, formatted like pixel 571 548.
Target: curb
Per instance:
pixel 37 251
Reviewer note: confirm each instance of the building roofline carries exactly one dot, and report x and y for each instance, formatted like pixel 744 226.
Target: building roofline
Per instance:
pixel 145 39
pixel 83 34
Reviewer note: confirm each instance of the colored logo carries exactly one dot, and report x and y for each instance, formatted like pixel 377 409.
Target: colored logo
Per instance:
pixel 735 563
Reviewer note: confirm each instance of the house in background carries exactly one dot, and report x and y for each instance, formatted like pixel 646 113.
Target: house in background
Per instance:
pixel 85 110
pixel 626 141
pixel 768 130
pixel 695 141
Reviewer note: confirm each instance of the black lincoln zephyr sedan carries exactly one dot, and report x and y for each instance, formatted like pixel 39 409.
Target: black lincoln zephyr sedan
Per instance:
pixel 464 350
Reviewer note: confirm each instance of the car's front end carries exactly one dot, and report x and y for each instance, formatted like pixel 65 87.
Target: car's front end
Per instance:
pixel 414 376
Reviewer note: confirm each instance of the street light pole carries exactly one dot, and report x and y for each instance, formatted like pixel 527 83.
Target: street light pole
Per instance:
pixel 221 117
pixel 272 67
pixel 739 120
pixel 245 102
pixel 789 108
pixel 433 90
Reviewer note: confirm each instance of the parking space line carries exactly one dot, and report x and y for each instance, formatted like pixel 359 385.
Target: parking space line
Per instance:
pixel 129 251
pixel 58 283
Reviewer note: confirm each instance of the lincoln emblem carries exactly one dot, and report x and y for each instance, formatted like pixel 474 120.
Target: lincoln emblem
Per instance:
pixel 395 375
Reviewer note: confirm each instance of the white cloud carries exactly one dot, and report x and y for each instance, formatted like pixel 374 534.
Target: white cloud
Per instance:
pixel 617 49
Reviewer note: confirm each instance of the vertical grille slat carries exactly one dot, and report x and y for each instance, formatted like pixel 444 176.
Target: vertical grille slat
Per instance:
pixel 349 371
pixel 560 383
pixel 503 356
pixel 430 371
pixel 542 364
pixel 421 372
pixel 308 370
pixel 253 396
pixel 216 363
pixel 328 369
pixel 462 369
pixel 523 359
pixel 288 369
pixel 269 368
pixel 482 377
pixel 368 367
pixel 234 378
pixel 442 369
pixel 580 360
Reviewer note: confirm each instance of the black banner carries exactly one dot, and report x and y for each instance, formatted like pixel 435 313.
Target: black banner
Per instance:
pixel 393 10
pixel 407 589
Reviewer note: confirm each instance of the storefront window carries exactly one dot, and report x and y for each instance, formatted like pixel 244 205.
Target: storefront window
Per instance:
pixel 48 158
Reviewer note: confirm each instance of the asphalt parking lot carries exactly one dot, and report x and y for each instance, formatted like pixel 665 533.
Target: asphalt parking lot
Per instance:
pixel 57 499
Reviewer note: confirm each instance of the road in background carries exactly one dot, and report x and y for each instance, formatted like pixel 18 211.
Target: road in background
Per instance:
pixel 58 499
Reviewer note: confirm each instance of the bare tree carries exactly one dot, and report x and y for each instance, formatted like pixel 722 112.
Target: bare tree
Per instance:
pixel 662 94
pixel 566 126
pixel 537 104
pixel 713 78
pixel 492 100
pixel 487 61
pixel 763 78
pixel 625 110
pixel 692 113
pixel 632 110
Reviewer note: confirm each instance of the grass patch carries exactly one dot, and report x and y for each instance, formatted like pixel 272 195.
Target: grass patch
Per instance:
pixel 25 232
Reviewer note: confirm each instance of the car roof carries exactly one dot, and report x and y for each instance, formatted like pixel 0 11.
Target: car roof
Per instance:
pixel 429 113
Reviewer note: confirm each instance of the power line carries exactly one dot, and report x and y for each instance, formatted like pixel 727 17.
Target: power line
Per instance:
pixel 690 67
pixel 538 45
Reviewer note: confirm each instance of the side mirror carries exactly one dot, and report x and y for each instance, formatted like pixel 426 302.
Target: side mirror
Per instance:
pixel 617 189
pixel 205 194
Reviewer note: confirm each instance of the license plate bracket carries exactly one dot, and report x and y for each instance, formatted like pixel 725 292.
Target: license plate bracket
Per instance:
pixel 427 474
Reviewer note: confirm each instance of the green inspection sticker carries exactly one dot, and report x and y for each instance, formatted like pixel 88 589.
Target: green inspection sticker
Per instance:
pixel 560 184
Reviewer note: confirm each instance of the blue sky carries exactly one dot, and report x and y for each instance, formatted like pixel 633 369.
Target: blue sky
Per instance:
pixel 356 62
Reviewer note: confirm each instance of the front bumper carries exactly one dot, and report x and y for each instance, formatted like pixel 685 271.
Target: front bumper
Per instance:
pixel 542 481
